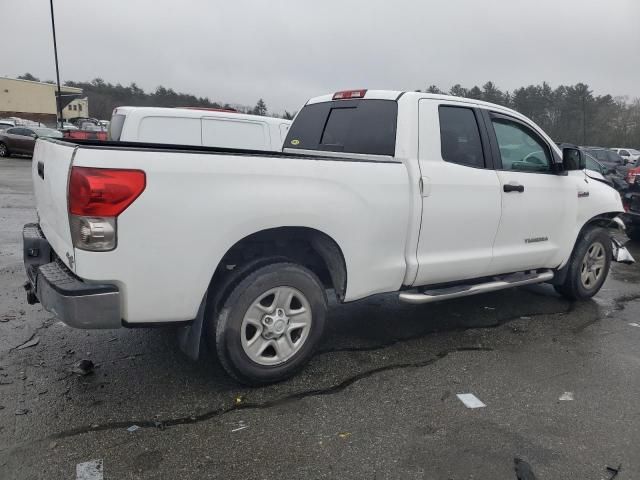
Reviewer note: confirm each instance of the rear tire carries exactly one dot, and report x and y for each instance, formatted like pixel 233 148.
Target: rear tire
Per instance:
pixel 4 151
pixel 269 324
pixel 588 266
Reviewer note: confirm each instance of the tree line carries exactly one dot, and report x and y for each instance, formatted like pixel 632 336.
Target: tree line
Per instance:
pixel 568 113
pixel 104 97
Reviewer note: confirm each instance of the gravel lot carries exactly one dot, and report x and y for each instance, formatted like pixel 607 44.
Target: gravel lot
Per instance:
pixel 378 401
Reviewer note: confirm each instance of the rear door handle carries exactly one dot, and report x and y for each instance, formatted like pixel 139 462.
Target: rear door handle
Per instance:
pixel 41 170
pixel 513 187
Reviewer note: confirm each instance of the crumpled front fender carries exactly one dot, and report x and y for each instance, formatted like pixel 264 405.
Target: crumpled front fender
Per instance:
pixel 620 253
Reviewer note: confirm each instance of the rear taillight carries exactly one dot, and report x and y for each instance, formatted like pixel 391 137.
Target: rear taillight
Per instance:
pixel 348 94
pixel 96 197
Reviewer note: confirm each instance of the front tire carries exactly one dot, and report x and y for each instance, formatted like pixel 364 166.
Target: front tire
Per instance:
pixel 588 266
pixel 4 151
pixel 269 324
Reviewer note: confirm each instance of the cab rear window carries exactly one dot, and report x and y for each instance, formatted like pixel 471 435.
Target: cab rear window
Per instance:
pixel 349 126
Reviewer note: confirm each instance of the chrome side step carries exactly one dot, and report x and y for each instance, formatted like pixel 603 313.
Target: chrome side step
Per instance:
pixel 499 283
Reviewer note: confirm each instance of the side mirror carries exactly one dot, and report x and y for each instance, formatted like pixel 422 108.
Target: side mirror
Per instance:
pixel 573 159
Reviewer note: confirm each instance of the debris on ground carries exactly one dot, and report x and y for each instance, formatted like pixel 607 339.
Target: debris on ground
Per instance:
pixel 91 470
pixel 133 428
pixel 241 427
pixel 32 342
pixel 634 324
pixel 344 435
pixel 614 471
pixel 159 425
pixel 238 399
pixel 489 308
pixel 22 411
pixel 470 400
pixel 566 397
pixel 523 470
pixel 83 367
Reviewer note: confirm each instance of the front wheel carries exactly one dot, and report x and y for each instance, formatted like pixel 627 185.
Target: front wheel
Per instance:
pixel 4 151
pixel 269 324
pixel 588 266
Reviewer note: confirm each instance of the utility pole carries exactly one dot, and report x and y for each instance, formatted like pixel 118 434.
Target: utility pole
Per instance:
pixel 55 52
pixel 584 119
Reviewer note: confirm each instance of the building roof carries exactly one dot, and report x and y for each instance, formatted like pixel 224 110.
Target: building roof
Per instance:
pixel 62 87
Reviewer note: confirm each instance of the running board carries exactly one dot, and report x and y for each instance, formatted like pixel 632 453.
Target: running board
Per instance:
pixel 500 283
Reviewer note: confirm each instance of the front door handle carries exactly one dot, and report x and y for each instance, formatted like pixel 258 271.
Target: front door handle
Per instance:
pixel 513 187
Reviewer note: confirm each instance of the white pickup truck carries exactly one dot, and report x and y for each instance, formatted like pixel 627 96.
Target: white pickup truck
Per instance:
pixel 430 196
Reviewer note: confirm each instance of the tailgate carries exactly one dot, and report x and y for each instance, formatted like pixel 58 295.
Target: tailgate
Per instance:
pixel 50 173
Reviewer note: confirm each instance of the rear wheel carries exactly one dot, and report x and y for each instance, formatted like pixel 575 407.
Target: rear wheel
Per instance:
pixel 589 265
pixel 269 324
pixel 4 151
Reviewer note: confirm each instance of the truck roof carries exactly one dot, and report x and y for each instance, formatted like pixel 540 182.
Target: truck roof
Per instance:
pixel 193 113
pixel 396 94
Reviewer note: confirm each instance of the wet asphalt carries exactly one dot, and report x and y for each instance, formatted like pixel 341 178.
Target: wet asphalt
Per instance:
pixel 378 401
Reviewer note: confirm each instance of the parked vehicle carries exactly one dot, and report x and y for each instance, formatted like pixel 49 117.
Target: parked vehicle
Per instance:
pixel 631 201
pixel 629 155
pixel 203 127
pixel 607 157
pixel 85 129
pixel 21 140
pixel 6 124
pixel 430 196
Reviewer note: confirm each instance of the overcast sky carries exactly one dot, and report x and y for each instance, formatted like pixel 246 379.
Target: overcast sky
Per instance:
pixel 285 51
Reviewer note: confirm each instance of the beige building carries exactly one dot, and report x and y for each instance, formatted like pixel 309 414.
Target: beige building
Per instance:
pixel 37 100
pixel 79 107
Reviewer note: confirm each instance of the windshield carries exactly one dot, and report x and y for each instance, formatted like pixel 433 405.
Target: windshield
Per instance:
pixel 600 155
pixel 47 132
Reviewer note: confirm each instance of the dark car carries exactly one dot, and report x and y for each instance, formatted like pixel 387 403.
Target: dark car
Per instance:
pixel 608 158
pixel 22 140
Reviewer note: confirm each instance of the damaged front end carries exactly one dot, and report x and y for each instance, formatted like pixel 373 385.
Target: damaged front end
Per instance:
pixel 620 252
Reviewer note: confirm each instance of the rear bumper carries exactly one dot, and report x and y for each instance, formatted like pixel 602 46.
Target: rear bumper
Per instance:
pixel 77 303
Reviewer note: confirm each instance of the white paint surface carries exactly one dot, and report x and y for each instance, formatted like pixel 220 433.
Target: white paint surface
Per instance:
pixel 91 470
pixel 470 400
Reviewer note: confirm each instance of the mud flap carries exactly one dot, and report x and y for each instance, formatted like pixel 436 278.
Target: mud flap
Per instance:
pixel 190 337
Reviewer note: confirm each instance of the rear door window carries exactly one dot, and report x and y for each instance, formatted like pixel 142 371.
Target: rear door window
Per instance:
pixel 349 126
pixel 460 137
